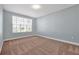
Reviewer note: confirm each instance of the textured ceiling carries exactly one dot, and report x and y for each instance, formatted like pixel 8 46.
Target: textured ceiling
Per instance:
pixel 45 9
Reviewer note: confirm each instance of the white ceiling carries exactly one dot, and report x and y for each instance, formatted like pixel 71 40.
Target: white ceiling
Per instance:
pixel 26 9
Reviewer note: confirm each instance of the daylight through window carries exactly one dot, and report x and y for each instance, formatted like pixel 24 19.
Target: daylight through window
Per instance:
pixel 20 24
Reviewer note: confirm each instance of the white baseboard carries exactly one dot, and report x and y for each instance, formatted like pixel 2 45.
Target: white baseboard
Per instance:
pixel 73 43
pixel 18 37
pixel 69 42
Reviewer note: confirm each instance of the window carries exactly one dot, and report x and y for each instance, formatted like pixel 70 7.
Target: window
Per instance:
pixel 20 24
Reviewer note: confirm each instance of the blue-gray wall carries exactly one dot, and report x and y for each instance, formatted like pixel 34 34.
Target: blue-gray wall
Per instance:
pixel 63 24
pixel 1 27
pixel 7 27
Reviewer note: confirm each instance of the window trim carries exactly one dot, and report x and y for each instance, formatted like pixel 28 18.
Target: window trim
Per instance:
pixel 27 29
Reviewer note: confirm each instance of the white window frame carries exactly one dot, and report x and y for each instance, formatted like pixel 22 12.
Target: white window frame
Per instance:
pixel 20 24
